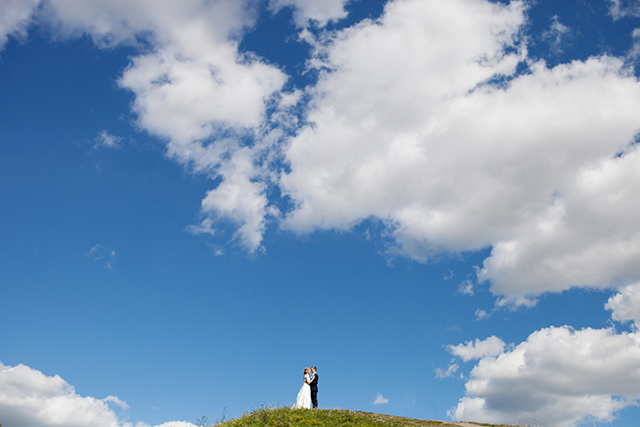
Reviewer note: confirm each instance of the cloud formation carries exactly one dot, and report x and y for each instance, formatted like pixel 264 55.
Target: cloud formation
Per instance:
pixel 431 119
pixel 622 8
pixel 106 140
pixel 15 18
pixel 453 149
pixel 558 376
pixel 449 372
pixel 478 349
pixel 29 398
pixel 625 305
pixel 380 400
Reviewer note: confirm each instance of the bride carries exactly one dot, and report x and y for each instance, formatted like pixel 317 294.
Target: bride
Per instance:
pixel 304 395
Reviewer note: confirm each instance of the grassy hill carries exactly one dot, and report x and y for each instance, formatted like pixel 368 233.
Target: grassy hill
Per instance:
pixel 287 417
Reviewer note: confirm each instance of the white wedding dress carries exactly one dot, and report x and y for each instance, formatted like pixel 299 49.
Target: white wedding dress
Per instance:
pixel 304 395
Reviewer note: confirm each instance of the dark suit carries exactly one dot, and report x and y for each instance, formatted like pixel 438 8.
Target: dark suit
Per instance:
pixel 314 390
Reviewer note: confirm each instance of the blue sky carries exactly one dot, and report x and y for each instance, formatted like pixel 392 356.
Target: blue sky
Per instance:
pixel 435 202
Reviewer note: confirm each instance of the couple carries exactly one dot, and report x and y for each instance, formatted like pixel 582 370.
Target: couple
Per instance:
pixel 309 392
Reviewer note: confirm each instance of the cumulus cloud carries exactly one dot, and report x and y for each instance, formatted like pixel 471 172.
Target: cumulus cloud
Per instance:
pixel 625 305
pixel 558 376
pixel 366 152
pixel 15 18
pixel 29 398
pixel 478 349
pixel 192 88
pixel 380 400
pixel 407 126
pixel 419 119
pixel 587 237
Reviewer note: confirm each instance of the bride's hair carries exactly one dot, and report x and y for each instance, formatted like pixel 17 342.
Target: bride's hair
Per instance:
pixel 307 370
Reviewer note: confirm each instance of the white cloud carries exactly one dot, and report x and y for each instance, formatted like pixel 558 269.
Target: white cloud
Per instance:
pixel 451 370
pixel 478 349
pixel 102 254
pixel 558 376
pixel 29 398
pixel 380 400
pixel 625 305
pixel 313 10
pixel 374 116
pixel 105 139
pixel 634 52
pixel 241 198
pixel 404 128
pixel 15 18
pixel 113 399
pixel 623 8
pixel 587 237
pixel 404 125
pixel 556 35
pixel 481 314
pixel 193 88
pixel 466 287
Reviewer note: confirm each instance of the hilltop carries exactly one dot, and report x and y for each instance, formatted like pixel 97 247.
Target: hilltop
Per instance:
pixel 287 417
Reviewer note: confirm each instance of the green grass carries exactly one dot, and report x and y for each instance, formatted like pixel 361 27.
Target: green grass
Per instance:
pixel 287 417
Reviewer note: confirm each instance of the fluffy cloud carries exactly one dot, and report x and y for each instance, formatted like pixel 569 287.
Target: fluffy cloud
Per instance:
pixel 625 305
pixel 420 119
pixel 194 89
pixel 558 376
pixel 380 400
pixel 478 349
pixel 28 398
pixel 373 146
pixel 241 198
pixel 407 126
pixel 15 17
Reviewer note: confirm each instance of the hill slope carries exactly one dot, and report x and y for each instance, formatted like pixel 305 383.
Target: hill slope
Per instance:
pixel 287 417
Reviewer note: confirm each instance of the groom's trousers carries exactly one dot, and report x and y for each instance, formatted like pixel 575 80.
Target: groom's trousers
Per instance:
pixel 314 398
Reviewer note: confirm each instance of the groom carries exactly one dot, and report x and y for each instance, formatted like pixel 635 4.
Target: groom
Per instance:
pixel 314 387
